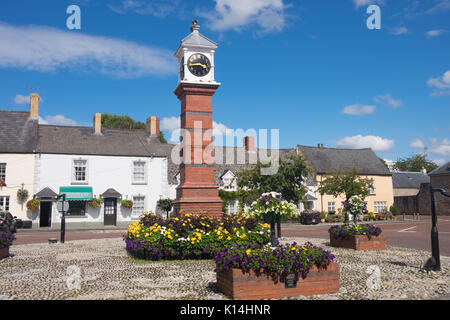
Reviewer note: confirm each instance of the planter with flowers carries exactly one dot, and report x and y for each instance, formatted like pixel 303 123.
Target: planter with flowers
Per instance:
pixel 248 273
pixel 309 217
pixel 33 204
pixel 128 204
pixel 357 237
pixel 6 240
pixel 270 208
pixel 95 203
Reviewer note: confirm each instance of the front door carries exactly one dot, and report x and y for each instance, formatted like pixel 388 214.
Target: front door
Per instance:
pixel 45 215
pixel 110 211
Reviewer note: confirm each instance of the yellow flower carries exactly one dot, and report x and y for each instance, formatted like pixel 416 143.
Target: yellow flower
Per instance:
pixel 248 251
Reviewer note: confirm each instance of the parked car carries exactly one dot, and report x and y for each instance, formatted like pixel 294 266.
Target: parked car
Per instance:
pixel 8 221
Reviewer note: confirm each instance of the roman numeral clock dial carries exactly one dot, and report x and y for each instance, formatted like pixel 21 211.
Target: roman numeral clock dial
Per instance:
pixel 199 65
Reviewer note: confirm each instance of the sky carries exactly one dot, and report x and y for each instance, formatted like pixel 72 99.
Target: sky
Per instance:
pixel 312 69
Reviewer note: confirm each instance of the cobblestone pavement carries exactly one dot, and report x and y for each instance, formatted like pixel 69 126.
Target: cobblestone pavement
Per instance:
pixel 50 271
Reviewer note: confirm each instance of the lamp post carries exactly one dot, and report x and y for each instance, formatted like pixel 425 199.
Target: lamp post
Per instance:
pixel 63 217
pixel 434 263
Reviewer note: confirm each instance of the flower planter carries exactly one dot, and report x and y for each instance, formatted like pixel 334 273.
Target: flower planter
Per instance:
pixel 255 286
pixel 359 242
pixel 309 221
pixel 4 252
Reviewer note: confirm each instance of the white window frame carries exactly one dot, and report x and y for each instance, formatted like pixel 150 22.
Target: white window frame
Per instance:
pixel 3 202
pixel 331 206
pixel 232 204
pixel 145 172
pixel 379 204
pixel 3 171
pixel 74 180
pixel 133 213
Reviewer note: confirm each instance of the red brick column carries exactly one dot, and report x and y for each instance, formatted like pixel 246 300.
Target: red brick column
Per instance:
pixel 197 192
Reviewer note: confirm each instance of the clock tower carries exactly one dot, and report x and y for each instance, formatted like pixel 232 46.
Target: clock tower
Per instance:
pixel 197 193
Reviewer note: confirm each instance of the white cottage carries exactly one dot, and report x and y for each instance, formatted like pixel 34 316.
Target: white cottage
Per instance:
pixel 95 162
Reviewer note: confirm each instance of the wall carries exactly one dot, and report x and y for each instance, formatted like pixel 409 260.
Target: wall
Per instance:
pixel 405 192
pixel 383 192
pixel 19 169
pixel 103 172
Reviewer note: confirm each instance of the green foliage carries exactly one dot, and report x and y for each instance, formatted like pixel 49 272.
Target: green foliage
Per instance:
pixel 287 181
pixel 415 163
pixel 384 162
pixel 115 121
pixel 165 205
pixel 22 195
pixel 347 183
pixel 394 210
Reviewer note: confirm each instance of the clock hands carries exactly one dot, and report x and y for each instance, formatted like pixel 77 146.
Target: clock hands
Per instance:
pixel 199 64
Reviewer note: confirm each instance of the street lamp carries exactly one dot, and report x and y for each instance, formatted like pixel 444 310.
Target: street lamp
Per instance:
pixel 434 263
pixel 63 217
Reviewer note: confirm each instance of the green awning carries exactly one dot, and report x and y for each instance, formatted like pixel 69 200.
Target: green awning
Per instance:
pixel 77 193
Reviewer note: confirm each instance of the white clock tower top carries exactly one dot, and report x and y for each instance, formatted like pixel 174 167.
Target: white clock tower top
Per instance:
pixel 195 57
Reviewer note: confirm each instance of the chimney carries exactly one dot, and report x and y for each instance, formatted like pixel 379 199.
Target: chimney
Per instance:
pixel 321 145
pixel 318 145
pixel 152 126
pixel 249 143
pixel 98 123
pixel 34 105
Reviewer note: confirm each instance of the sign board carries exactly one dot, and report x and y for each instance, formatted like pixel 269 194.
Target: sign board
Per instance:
pixel 290 282
pixel 59 205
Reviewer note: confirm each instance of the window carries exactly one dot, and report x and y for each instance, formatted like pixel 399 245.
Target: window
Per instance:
pixel 232 207
pixel 76 208
pixel 3 172
pixel 79 170
pixel 138 172
pixel 331 206
pixel 138 205
pixel 4 203
pixel 380 206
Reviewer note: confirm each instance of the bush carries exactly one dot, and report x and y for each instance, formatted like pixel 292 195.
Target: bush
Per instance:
pixel 192 236
pixel 278 262
pixel 340 232
pixel 394 210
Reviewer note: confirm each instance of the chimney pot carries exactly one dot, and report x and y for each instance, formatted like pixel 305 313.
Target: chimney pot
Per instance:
pixel 321 145
pixel 98 123
pixel 152 126
pixel 249 143
pixel 34 105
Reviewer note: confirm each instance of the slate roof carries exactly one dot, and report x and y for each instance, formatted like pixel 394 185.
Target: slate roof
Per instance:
pixel 112 142
pixel 325 160
pixel 46 193
pixel 17 132
pixel 409 179
pixel 111 193
pixel 442 170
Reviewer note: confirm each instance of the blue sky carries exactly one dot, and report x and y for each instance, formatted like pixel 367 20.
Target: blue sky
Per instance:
pixel 310 68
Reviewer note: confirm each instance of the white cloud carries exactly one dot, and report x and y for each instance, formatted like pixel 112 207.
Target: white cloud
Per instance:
pixel 172 126
pixel 376 143
pixel 435 33
pixel 440 148
pixel 363 3
pixel 267 15
pixel 388 100
pixel 58 119
pixel 358 110
pixel 417 143
pixel 399 31
pixel 439 162
pixel 440 84
pixel 20 99
pixel 45 49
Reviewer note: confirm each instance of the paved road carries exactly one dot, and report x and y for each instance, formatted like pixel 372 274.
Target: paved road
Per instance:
pixel 409 234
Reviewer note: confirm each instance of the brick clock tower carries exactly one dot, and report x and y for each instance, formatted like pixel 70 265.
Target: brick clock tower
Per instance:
pixel 197 192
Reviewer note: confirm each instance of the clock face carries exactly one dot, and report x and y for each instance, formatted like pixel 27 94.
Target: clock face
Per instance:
pixel 199 65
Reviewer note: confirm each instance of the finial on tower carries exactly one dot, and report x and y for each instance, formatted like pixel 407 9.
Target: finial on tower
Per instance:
pixel 195 25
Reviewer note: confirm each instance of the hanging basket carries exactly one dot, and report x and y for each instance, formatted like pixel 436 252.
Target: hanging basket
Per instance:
pixel 33 204
pixel 127 204
pixel 95 203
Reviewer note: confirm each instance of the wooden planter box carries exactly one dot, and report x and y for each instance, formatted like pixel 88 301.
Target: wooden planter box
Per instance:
pixel 251 286
pixel 4 252
pixel 360 242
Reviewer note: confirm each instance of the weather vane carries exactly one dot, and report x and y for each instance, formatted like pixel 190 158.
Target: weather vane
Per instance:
pixel 195 25
pixel 31 88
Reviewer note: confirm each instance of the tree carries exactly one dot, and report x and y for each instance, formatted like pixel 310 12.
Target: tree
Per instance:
pixel 348 183
pixel 415 163
pixel 165 205
pixel 288 180
pixel 115 121
pixel 384 162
